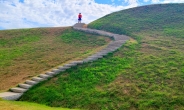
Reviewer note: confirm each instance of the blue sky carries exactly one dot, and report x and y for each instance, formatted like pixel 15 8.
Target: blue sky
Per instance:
pixel 16 14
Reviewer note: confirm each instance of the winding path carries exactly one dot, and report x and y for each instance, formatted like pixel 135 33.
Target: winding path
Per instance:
pixel 118 40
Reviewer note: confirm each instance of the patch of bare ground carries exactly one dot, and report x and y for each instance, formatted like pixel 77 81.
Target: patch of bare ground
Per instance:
pixel 46 53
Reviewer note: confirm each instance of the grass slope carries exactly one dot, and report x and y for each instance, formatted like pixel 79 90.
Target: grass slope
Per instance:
pixel 165 18
pixel 27 52
pixel 14 105
pixel 146 73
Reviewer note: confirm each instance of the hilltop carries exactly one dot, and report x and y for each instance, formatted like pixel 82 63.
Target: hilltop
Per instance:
pixel 168 19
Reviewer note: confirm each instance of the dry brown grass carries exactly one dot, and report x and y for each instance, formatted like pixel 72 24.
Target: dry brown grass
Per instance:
pixel 47 53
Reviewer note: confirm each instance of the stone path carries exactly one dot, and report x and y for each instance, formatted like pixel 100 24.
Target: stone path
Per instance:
pixel 16 92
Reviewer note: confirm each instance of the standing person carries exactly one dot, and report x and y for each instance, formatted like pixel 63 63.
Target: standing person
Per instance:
pixel 79 18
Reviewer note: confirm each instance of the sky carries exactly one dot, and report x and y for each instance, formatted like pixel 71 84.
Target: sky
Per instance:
pixel 15 14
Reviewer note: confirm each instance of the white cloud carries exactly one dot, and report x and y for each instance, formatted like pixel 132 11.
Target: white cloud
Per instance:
pixel 133 2
pixel 155 1
pixel 173 1
pixel 35 13
pixel 39 13
pixel 167 1
pixel 146 0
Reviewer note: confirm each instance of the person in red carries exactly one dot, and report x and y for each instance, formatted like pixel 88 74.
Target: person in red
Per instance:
pixel 79 18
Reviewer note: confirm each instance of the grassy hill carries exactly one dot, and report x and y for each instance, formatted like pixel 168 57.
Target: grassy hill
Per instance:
pixel 146 73
pixel 166 18
pixel 26 53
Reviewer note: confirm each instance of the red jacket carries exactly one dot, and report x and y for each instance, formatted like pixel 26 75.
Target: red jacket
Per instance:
pixel 79 16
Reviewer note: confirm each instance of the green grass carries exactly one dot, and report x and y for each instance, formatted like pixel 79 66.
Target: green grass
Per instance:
pixel 7 55
pixel 26 53
pixel 18 40
pixel 179 32
pixel 155 79
pixel 13 47
pixel 163 17
pixel 147 73
pixel 80 86
pixel 80 38
pixel 14 105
